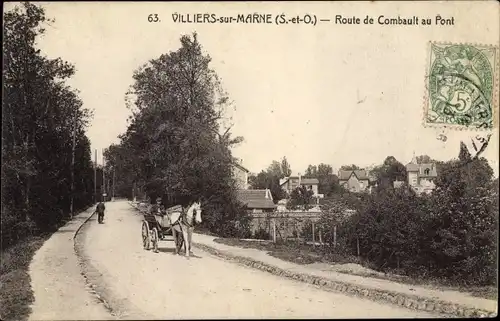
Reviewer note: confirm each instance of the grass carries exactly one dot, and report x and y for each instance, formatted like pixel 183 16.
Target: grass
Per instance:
pixel 291 251
pixel 16 294
pixel 307 254
pixel 204 231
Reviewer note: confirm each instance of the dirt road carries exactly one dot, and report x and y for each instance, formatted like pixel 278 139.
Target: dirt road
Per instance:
pixel 56 280
pixel 142 284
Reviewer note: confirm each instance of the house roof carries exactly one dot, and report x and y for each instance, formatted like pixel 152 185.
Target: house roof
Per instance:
pixel 303 181
pixel 256 198
pixel 309 181
pixel 412 167
pixel 420 168
pixel 241 167
pixel 361 174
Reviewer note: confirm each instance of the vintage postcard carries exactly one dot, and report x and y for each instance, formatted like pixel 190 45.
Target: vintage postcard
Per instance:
pixel 204 160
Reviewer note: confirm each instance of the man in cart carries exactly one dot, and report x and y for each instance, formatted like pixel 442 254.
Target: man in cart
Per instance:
pixel 160 212
pixel 158 208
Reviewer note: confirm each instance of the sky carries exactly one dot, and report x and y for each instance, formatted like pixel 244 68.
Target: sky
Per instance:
pixel 334 94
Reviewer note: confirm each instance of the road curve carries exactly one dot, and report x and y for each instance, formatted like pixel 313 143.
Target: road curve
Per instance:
pixel 141 284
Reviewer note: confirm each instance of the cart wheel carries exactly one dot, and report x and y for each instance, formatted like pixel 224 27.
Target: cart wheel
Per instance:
pixel 154 238
pixel 146 237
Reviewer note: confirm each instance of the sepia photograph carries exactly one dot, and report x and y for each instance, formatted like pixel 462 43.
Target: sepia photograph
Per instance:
pixel 250 160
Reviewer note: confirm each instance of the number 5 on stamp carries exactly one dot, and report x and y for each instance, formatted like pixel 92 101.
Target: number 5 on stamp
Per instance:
pixel 462 86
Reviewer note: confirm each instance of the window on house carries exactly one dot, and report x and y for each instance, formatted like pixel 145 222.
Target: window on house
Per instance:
pixel 427 171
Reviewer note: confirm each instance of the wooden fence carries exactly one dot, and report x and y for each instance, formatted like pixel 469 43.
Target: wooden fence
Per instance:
pixel 283 225
pixel 291 225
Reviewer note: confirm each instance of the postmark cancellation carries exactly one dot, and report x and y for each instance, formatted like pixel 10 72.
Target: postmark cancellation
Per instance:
pixel 461 86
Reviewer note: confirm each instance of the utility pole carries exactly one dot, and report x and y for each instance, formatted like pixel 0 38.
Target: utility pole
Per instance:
pixel 114 181
pixel 73 168
pixel 103 176
pixel 95 177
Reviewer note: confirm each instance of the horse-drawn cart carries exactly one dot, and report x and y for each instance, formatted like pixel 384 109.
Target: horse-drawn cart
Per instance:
pixel 157 225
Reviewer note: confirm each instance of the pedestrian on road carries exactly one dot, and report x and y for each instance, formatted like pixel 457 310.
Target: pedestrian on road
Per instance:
pixel 100 208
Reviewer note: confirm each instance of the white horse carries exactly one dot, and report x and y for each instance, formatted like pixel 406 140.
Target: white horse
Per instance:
pixel 183 226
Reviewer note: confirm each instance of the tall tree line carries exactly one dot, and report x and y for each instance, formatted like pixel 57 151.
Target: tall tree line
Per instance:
pixel 178 143
pixel 43 124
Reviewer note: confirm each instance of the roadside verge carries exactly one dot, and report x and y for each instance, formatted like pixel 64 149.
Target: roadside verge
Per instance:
pixel 369 288
pixel 56 277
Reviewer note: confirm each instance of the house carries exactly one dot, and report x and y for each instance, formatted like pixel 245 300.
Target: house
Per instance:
pixel 398 184
pixel 356 181
pixel 421 176
pixel 257 200
pixel 240 174
pixel 288 184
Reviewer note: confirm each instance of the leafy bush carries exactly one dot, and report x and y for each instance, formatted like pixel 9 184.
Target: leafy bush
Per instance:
pixel 306 231
pixel 261 234
pixel 226 217
pixel 450 234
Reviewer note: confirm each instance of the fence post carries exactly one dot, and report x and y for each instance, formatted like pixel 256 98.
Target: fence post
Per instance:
pixel 297 233
pixel 274 230
pixel 357 244
pixel 335 236
pixel 314 239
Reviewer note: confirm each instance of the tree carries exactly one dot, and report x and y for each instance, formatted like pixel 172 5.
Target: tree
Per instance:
pixel 268 180
pixel 389 227
pixel 286 170
pixel 328 182
pixel 464 154
pixel 122 163
pixel 179 138
pixel 275 170
pixel 390 171
pixel 311 171
pixel 336 217
pixel 301 197
pixel 424 159
pixel 464 222
pixel 42 115
pixel 349 167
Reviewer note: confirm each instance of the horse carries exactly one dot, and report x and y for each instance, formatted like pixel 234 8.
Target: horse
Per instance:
pixel 183 226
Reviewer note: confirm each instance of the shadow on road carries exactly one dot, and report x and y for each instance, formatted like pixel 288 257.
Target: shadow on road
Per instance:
pixel 166 249
pixel 171 250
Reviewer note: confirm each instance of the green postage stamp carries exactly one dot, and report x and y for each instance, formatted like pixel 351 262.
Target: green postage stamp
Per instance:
pixel 462 86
